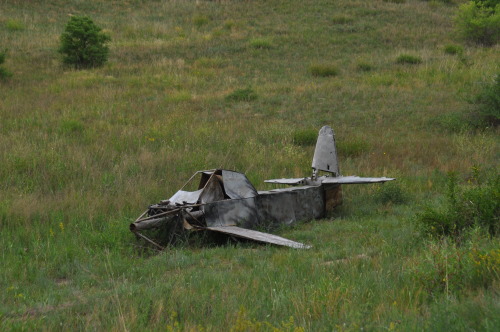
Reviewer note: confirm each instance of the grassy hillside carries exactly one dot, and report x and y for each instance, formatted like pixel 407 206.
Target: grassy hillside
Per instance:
pixel 83 152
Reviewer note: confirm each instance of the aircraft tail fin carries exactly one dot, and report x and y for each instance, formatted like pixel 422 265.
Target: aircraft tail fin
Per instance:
pixel 325 153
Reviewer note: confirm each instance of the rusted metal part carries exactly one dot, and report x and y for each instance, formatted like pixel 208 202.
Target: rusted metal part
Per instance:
pixel 333 197
pixel 225 201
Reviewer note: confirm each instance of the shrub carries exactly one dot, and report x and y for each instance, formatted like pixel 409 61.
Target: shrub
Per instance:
pixel 4 73
pixel 477 205
pixel 261 43
pixel 391 193
pixel 14 25
pixel 478 21
pixel 305 137
pixel 453 49
pixel 352 148
pixel 71 127
pixel 445 267
pixel 83 44
pixel 365 66
pixel 408 59
pixel 247 94
pixel 200 20
pixel 342 19
pixel 488 104
pixel 323 70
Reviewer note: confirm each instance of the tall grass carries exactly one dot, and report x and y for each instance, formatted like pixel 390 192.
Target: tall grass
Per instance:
pixel 82 153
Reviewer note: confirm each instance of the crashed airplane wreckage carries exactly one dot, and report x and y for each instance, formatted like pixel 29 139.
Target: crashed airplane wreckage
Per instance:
pixel 226 202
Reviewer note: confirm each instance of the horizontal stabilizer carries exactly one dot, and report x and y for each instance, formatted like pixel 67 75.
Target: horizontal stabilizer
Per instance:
pixel 286 181
pixel 258 236
pixel 354 180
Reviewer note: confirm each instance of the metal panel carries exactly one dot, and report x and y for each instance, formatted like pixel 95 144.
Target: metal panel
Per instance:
pixel 276 207
pixel 236 185
pixel 325 153
pixel 354 180
pixel 191 197
pixel 287 181
pixel 258 236
pixel 212 191
pixel 233 212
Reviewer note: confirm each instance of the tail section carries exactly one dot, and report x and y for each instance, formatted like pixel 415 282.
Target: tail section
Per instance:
pixel 325 154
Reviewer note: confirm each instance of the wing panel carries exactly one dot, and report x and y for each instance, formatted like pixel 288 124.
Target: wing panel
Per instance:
pixel 258 236
pixel 355 180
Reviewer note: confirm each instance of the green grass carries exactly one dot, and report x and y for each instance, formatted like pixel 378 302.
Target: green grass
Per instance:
pixel 323 70
pixel 84 152
pixel 408 59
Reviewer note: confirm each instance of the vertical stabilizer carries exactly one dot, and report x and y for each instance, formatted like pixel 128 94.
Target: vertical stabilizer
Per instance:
pixel 325 154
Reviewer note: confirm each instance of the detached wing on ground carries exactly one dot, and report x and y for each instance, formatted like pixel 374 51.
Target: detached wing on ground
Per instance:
pixel 257 236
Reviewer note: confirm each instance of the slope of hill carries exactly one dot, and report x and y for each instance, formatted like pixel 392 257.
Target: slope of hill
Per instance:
pixel 83 152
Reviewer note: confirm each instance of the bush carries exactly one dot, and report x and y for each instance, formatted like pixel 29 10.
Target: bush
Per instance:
pixel 305 137
pixel 488 104
pixel 352 148
pixel 478 21
pixel 365 66
pixel 477 205
pixel 261 43
pixel 453 49
pixel 14 25
pixel 83 44
pixel 445 267
pixel 200 20
pixel 323 70
pixel 342 19
pixel 242 95
pixel 391 193
pixel 4 73
pixel 408 59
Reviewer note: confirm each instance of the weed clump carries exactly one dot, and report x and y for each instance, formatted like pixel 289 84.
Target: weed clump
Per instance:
pixel 391 193
pixel 478 21
pixel 365 66
pixel 446 267
pixel 305 137
pixel 71 127
pixel 200 20
pixel 408 59
pixel 247 94
pixel 323 70
pixel 4 73
pixel 83 44
pixel 14 25
pixel 342 19
pixel 261 43
pixel 352 148
pixel 477 205
pixel 453 49
pixel 488 104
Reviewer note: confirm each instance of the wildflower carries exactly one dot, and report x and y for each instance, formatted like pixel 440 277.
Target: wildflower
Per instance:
pixel 61 226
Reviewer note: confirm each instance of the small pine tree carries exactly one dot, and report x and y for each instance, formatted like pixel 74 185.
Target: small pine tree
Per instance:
pixel 83 44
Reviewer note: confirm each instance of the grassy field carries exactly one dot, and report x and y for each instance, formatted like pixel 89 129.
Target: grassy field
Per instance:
pixel 84 152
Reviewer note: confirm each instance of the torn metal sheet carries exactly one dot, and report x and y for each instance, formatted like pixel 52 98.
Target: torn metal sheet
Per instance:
pixel 225 201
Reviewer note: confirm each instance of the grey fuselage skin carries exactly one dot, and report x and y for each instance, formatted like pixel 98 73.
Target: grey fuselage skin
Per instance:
pixel 227 198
